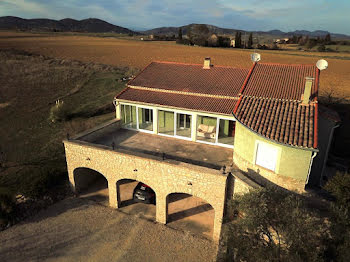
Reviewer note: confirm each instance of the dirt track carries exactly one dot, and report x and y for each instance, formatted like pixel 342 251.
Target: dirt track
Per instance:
pixel 79 230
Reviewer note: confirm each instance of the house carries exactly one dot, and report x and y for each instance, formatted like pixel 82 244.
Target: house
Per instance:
pixel 208 131
pixel 233 43
pixel 281 41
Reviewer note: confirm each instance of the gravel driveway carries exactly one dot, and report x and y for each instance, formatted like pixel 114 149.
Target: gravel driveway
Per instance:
pixel 78 229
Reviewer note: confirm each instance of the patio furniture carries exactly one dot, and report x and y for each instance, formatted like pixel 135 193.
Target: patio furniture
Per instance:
pixel 206 131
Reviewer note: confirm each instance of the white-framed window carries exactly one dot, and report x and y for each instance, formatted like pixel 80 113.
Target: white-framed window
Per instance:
pixel 266 155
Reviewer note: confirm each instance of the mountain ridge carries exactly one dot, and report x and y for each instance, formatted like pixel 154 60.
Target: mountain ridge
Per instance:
pixel 90 25
pixel 95 25
pixel 220 30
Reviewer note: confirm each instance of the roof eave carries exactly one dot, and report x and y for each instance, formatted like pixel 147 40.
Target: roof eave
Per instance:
pixel 274 141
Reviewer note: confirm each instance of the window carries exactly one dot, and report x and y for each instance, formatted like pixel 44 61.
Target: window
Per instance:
pixel 266 156
pixel 128 114
pixel 166 122
pixel 145 119
pixel 183 125
pixel 226 131
pixel 206 128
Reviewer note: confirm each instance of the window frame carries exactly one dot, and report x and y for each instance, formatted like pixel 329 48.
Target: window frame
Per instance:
pixel 278 155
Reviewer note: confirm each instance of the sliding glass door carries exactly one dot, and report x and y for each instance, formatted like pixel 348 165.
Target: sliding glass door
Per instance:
pixel 129 118
pixel 206 128
pixel 183 125
pixel 226 132
pixel 166 122
pixel 145 117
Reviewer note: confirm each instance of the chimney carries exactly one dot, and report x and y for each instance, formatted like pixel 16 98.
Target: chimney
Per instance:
pixel 207 63
pixel 307 90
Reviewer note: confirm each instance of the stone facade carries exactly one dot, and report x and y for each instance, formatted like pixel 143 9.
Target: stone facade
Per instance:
pixel 163 176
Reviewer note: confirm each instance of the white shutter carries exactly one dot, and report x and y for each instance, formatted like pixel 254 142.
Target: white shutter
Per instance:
pixel 266 156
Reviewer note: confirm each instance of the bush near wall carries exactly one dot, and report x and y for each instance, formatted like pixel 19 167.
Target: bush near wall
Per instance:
pixel 7 206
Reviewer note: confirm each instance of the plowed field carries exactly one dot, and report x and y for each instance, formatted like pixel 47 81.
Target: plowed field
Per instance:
pixel 138 54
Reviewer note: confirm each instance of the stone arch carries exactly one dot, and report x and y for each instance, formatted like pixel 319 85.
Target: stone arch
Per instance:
pixel 85 178
pixel 191 209
pixel 123 199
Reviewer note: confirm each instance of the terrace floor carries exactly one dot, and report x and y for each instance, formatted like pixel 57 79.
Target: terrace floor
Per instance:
pixel 170 148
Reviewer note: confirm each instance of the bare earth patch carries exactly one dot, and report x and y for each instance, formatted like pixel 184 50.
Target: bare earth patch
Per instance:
pixel 78 229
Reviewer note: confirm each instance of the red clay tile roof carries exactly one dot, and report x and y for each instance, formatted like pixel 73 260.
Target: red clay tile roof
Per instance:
pixel 287 122
pixel 267 98
pixel 218 80
pixel 280 81
pixel 191 102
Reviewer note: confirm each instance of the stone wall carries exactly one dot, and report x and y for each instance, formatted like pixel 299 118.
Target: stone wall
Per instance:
pixel 163 176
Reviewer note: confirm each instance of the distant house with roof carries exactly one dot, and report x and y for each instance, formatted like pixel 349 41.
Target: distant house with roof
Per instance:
pixel 254 126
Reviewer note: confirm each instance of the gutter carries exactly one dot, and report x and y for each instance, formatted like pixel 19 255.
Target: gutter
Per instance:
pixel 311 161
pixel 327 151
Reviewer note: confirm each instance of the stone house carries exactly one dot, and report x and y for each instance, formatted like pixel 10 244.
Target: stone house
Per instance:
pixel 208 131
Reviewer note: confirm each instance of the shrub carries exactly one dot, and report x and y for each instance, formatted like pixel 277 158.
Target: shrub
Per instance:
pixel 339 187
pixel 321 48
pixel 37 181
pixel 274 225
pixel 7 205
pixel 59 112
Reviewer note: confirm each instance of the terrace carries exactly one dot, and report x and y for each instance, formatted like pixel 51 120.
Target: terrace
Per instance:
pixel 117 138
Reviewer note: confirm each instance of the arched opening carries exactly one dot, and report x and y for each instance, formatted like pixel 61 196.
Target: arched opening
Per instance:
pixel 136 198
pixel 190 213
pixel 91 184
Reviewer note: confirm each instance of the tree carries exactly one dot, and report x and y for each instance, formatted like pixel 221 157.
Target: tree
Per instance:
pixel 302 41
pixel 180 34
pixel 327 39
pixel 339 188
pixel 198 34
pixel 311 43
pixel 273 225
pixel 189 33
pixel 321 48
pixel 238 39
pixel 250 40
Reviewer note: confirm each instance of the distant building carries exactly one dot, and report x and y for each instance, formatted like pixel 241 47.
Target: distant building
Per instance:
pixel 233 43
pixel 213 40
pixel 281 41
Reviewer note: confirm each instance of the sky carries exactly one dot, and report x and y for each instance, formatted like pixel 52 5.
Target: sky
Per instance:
pixel 285 15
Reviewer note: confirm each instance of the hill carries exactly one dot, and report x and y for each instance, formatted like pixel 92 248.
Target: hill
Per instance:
pixel 228 31
pixel 91 25
pixel 185 28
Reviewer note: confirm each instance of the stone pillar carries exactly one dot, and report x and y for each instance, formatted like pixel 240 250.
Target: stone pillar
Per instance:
pixel 112 192
pixel 194 127
pixel 217 224
pixel 161 208
pixel 118 111
pixel 71 178
pixel 155 121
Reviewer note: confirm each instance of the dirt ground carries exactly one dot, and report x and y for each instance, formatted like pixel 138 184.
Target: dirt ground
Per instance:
pixel 132 53
pixel 79 229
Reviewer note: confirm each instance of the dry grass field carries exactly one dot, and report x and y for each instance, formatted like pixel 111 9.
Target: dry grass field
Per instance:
pixel 30 143
pixel 133 53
